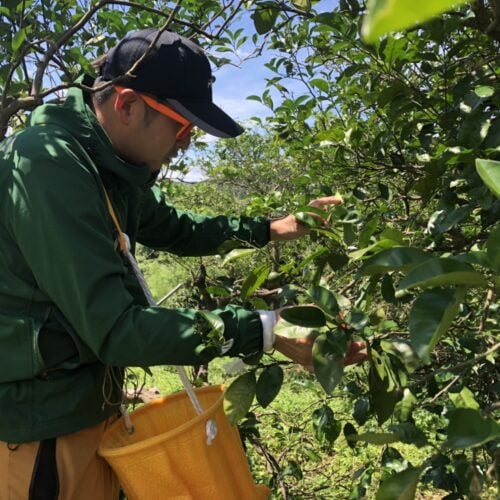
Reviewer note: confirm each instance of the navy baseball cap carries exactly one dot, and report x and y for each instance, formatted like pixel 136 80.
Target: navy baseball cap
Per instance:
pixel 176 72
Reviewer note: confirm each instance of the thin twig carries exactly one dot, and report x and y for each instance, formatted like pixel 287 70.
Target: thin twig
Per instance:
pixel 487 304
pixel 446 389
pixel 458 367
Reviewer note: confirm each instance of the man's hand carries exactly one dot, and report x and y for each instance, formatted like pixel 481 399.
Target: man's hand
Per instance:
pixel 300 351
pixel 289 228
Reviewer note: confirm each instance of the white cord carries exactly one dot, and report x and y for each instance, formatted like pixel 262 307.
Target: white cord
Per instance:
pixel 211 427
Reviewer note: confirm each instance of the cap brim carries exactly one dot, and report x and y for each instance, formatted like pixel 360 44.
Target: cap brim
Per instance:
pixel 208 117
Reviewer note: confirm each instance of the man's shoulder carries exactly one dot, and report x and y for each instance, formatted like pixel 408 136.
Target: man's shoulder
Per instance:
pixel 42 145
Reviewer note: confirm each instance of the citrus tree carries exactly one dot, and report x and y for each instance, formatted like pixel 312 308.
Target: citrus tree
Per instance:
pixel 406 127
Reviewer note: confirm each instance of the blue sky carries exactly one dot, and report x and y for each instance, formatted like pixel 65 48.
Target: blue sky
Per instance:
pixel 234 84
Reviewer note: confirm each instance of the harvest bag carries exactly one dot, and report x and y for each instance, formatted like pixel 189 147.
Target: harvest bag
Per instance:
pixel 166 456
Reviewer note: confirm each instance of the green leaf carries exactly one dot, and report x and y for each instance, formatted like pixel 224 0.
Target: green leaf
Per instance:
pixel 409 433
pixel 393 259
pixel 379 245
pixel 239 397
pixel 238 253
pixel 324 299
pixel 464 399
pixel 218 291
pixel 328 355
pixel 431 316
pixel 215 321
pixel 320 84
pixel 325 426
pixel 467 429
pixel 493 248
pixel 441 272
pixel 304 5
pixel 337 260
pixel 264 18
pixel 484 91
pixel 286 329
pixel 349 430
pixel 307 219
pixel 309 316
pixel 269 385
pixel 18 40
pixel 361 411
pixel 383 393
pixel 400 486
pixel 380 438
pixel 489 171
pixel 478 258
pixel 384 16
pixel 252 282
pixel 367 232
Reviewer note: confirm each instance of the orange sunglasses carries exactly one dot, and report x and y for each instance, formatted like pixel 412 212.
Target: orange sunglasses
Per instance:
pixel 187 126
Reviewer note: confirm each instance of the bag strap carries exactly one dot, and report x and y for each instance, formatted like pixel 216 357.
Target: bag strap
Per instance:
pixel 124 242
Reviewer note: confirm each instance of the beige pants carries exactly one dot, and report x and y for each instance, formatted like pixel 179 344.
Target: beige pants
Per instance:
pixel 31 472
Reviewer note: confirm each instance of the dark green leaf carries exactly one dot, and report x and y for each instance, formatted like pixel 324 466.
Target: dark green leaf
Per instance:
pixel 237 253
pixel 337 260
pixel 379 438
pixel 254 280
pixel 409 433
pixel 489 171
pixel 325 426
pixel 324 299
pixel 367 232
pixel 309 316
pixel 400 486
pixel 361 411
pixel 357 320
pixel 394 259
pixel 349 430
pixel 328 355
pixel 388 292
pixel 239 397
pixel 383 393
pixel 493 248
pixel 431 316
pixel 269 385
pixel 467 428
pixel 442 272
pixel 264 19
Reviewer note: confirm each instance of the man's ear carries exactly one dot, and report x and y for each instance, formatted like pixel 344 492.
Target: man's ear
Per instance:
pixel 128 105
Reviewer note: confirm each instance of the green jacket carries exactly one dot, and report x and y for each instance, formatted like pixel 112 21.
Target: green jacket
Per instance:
pixel 70 306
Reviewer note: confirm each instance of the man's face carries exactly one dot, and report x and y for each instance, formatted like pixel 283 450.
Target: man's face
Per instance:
pixel 142 134
pixel 158 144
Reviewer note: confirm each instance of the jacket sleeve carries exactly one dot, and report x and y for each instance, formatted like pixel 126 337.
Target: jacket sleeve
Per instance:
pixel 184 233
pixel 56 214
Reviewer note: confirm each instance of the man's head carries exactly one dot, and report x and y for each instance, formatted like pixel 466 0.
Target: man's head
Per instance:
pixel 175 72
pixel 174 79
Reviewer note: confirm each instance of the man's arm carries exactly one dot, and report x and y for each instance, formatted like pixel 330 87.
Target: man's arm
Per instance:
pixel 185 233
pixel 164 227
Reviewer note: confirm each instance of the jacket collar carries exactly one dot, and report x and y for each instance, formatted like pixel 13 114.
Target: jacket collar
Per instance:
pixel 77 117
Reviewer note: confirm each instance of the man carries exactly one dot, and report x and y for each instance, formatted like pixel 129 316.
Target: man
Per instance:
pixel 71 310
